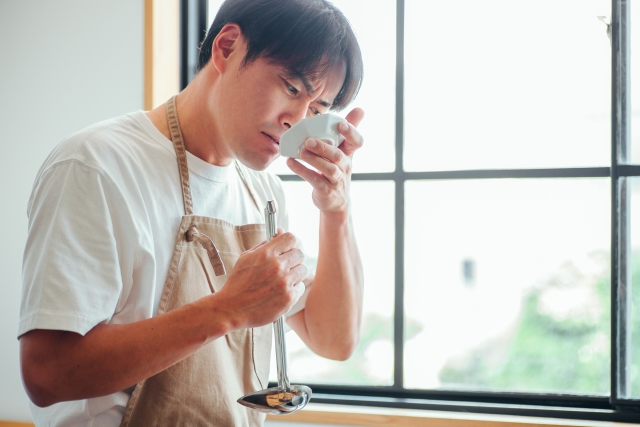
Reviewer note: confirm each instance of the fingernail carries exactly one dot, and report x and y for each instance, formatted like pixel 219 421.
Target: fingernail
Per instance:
pixel 344 126
pixel 310 143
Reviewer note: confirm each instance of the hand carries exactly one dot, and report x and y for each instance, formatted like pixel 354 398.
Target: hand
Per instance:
pixel 265 282
pixel 332 179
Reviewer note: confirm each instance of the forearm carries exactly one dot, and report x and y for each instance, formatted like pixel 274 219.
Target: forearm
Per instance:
pixel 60 366
pixel 333 310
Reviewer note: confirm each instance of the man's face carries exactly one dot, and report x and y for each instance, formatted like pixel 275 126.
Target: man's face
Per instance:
pixel 261 101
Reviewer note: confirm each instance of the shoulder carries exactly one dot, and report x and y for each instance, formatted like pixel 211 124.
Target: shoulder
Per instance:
pixel 121 151
pixel 105 145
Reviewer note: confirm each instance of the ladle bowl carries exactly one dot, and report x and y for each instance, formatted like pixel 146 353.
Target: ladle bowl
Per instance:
pixel 274 401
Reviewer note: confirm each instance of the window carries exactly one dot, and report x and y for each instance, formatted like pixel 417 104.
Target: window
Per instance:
pixel 494 205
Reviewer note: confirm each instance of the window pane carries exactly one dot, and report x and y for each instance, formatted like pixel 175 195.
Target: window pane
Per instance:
pixel 634 67
pixel 507 285
pixel 377 95
pixel 375 27
pixel 373 218
pixel 506 84
pixel 213 7
pixel 634 316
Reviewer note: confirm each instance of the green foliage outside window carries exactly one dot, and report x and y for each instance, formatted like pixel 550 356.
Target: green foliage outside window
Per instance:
pixel 566 351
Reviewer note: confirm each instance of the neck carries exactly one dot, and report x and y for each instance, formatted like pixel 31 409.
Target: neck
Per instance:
pixel 200 135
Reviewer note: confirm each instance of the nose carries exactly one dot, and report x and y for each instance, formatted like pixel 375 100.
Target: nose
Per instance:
pixel 294 115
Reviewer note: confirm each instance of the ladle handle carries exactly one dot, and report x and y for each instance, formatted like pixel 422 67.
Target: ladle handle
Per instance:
pixel 278 325
pixel 281 355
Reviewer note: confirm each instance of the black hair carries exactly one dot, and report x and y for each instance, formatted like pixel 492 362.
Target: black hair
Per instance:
pixel 306 37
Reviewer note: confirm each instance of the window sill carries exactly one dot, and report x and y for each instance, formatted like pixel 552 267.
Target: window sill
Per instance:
pixel 366 416
pixel 320 413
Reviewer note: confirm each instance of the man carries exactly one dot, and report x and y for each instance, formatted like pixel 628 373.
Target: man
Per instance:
pixel 124 323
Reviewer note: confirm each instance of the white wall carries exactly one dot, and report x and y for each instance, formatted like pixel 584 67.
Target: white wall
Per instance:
pixel 64 64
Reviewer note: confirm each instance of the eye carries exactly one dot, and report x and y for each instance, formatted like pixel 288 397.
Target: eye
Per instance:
pixel 291 88
pixel 314 111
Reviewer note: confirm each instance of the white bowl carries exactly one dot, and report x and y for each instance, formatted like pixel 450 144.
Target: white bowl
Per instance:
pixel 323 127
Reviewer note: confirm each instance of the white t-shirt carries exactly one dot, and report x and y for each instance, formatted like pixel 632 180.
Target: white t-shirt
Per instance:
pixel 103 217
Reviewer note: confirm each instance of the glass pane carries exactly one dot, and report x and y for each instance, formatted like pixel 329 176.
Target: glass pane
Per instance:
pixel 634 69
pixel 373 218
pixel 377 95
pixel 634 318
pixel 506 84
pixel 507 285
pixel 213 7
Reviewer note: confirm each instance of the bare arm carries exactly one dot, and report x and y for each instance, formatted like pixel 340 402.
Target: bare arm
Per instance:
pixel 330 322
pixel 59 366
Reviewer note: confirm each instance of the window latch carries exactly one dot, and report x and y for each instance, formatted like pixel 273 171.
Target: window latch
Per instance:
pixel 606 22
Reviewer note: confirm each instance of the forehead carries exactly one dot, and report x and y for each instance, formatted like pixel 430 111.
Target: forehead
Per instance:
pixel 335 79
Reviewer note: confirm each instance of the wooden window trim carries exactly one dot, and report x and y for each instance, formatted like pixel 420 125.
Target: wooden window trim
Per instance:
pixel 319 413
pixel 161 51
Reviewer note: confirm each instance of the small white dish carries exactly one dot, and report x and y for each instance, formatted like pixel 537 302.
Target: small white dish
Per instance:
pixel 323 127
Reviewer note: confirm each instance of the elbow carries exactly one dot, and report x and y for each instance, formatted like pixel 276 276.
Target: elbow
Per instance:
pixel 40 400
pixel 342 354
pixel 37 375
pixel 37 390
pixel 344 349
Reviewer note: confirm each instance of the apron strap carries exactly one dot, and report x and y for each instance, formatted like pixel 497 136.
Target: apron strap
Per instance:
pixel 210 247
pixel 181 154
pixel 248 186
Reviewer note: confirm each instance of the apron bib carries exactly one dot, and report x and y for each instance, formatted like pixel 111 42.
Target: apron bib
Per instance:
pixel 202 389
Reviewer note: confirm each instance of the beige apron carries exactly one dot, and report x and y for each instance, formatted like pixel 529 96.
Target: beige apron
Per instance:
pixel 202 389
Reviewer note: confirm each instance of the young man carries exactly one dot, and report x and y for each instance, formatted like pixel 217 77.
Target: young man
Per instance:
pixel 124 323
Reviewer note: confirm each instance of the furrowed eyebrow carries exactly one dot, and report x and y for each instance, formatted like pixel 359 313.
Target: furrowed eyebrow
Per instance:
pixel 325 104
pixel 310 91
pixel 305 83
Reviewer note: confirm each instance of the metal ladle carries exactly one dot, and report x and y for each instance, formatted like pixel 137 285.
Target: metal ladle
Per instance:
pixel 286 398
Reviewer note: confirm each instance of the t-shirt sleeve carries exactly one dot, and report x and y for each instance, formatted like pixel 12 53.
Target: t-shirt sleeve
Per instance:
pixel 74 269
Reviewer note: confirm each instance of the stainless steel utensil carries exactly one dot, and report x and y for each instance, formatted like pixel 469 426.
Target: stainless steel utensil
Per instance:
pixel 286 398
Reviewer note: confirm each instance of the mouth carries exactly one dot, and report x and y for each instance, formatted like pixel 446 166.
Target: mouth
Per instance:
pixel 276 141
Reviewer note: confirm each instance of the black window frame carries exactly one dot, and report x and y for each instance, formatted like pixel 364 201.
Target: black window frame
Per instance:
pixel 618 406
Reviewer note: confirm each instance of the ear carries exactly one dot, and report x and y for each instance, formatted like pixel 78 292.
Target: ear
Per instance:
pixel 228 42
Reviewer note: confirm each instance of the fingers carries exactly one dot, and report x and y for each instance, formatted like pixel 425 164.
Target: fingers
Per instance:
pixel 285 247
pixel 298 273
pixel 328 160
pixel 324 150
pixel 259 245
pixel 292 259
pixel 298 292
pixel 355 116
pixel 282 242
pixel 317 181
pixel 293 285
pixel 264 281
pixel 353 140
